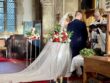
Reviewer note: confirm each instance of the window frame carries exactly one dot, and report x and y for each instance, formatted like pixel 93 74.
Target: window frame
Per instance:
pixel 5 17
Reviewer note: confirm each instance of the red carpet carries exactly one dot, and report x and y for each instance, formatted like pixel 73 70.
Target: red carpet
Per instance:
pixel 37 82
pixel 73 78
pixel 17 60
pixel 40 82
pixel 3 59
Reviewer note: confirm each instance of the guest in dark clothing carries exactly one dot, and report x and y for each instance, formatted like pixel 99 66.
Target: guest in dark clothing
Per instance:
pixel 80 35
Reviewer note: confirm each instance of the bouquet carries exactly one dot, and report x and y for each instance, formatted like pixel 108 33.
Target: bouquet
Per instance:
pixel 33 34
pixel 60 36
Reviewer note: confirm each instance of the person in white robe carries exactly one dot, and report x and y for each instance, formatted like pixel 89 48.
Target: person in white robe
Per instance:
pixel 98 36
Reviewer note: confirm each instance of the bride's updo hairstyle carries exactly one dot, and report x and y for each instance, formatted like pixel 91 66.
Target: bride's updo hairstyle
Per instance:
pixel 65 20
pixel 69 18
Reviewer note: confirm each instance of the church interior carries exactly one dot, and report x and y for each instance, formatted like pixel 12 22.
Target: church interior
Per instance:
pixel 26 44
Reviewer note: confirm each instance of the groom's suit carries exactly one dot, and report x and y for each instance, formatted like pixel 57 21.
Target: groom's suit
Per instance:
pixel 79 37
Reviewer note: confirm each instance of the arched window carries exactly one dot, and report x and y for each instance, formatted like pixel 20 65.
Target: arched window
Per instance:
pixel 7 16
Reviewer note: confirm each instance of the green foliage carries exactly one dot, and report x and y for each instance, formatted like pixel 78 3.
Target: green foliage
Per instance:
pixel 57 28
pixel 87 52
pixel 50 33
pixel 28 33
pixel 70 34
pixel 36 31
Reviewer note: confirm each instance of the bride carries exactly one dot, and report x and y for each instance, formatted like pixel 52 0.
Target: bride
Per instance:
pixel 50 64
pixel 67 18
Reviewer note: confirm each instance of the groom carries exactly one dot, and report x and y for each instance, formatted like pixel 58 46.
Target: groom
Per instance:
pixel 80 35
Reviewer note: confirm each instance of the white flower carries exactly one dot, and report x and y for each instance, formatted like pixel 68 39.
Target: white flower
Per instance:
pixel 66 34
pixel 51 39
pixel 61 40
pixel 46 36
pixel 69 40
pixel 56 36
pixel 61 35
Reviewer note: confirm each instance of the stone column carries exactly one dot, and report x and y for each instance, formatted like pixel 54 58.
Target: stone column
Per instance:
pixel 27 8
pixel 47 17
pixel 19 14
pixel 64 7
pixel 58 10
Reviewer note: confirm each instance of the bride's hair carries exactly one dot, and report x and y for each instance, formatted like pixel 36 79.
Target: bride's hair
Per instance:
pixel 70 17
pixel 67 17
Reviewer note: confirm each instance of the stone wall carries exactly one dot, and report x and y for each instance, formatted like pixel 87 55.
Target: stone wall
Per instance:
pixel 48 16
pixel 71 6
pixel 26 11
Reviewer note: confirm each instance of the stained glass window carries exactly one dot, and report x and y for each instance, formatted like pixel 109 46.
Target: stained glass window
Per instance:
pixel 7 16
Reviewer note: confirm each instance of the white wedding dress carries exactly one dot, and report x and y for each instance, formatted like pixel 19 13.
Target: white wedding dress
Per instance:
pixel 53 61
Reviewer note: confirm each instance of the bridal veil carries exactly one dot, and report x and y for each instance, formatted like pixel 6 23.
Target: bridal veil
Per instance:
pixel 54 61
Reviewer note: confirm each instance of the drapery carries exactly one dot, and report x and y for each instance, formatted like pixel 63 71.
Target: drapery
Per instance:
pixel 53 61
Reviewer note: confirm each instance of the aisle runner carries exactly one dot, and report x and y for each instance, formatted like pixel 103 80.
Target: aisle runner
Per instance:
pixel 3 59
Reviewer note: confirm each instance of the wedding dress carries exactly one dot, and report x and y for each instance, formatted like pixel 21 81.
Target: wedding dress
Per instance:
pixel 53 61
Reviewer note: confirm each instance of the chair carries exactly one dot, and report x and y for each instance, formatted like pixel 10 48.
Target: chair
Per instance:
pixel 16 45
pixel 3 47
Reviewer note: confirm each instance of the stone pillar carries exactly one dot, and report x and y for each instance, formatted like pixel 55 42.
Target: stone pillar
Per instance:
pixel 58 10
pixel 25 12
pixel 19 14
pixel 48 16
pixel 27 8
pixel 64 7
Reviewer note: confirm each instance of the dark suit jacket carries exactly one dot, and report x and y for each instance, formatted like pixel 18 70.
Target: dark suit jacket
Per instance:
pixel 80 35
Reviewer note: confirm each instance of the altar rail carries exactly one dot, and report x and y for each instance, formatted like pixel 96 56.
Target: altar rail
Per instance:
pixel 97 64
